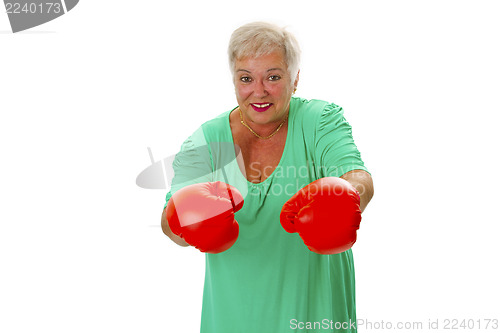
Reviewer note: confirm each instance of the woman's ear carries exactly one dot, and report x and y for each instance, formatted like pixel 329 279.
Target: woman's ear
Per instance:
pixel 296 81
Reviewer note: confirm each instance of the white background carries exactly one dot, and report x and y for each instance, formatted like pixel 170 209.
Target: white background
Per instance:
pixel 83 96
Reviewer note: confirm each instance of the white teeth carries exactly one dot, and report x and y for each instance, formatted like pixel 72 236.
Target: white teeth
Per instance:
pixel 262 105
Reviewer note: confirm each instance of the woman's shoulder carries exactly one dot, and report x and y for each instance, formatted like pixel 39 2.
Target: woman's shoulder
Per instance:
pixel 219 120
pixel 217 128
pixel 312 111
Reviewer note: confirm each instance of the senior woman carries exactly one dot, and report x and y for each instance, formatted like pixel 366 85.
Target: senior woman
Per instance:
pixel 278 255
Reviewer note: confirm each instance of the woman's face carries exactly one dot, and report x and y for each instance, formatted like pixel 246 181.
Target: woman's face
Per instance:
pixel 263 88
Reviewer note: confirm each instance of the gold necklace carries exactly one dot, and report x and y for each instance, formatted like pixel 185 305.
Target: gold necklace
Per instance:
pixel 257 135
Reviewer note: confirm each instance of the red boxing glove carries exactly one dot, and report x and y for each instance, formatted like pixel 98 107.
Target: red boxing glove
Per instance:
pixel 203 215
pixel 325 214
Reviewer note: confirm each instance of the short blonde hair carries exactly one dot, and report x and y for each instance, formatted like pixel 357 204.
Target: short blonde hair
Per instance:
pixel 261 38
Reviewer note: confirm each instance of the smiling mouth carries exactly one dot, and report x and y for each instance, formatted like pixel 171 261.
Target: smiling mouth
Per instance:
pixel 261 107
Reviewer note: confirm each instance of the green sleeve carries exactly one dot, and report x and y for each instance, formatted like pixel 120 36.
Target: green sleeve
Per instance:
pixel 192 164
pixel 335 148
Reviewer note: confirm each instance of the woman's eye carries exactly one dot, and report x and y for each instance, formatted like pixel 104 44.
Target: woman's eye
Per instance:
pixel 274 77
pixel 245 79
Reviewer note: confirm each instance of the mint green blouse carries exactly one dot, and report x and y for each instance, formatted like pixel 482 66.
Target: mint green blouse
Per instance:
pixel 269 281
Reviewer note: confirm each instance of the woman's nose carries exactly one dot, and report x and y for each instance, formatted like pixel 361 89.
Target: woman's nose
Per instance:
pixel 260 89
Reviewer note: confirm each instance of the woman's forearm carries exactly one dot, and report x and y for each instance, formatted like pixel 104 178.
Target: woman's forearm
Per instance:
pixel 362 181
